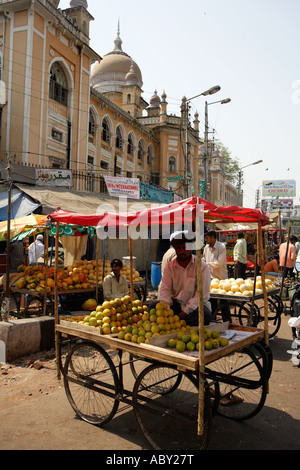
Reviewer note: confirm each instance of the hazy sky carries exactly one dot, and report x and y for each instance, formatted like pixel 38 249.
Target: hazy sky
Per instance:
pixel 251 48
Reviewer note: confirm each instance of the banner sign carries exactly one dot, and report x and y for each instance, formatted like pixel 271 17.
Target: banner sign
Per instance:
pixel 156 194
pixel 118 186
pixel 279 188
pixel 277 204
pixel 53 177
pixel 174 178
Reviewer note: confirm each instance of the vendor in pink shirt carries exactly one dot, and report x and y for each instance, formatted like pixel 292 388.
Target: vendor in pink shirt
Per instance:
pixel 179 283
pixel 291 255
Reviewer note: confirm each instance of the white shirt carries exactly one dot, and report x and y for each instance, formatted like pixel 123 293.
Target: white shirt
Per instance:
pixel 181 284
pixel 34 251
pixel 240 251
pixel 112 288
pixel 215 258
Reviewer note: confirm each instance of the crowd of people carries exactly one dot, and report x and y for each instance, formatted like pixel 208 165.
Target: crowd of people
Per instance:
pixel 178 287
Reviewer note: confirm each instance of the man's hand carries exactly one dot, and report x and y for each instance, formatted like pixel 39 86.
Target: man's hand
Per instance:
pixel 182 315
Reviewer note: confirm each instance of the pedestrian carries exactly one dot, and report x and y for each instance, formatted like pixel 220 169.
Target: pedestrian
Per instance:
pixel 115 284
pixel 16 255
pixel 288 253
pixel 35 250
pixel 240 257
pixel 179 289
pixel 214 254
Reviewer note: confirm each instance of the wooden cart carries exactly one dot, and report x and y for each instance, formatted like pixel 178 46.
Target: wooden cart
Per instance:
pixel 164 394
pixel 248 311
pixel 171 396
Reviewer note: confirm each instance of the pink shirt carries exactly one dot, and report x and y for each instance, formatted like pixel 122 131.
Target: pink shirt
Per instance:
pixel 181 284
pixel 291 257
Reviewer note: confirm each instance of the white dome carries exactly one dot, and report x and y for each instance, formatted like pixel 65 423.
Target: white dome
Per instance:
pixel 115 70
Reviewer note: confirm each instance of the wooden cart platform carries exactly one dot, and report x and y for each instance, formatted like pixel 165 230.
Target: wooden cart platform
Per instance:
pixel 188 360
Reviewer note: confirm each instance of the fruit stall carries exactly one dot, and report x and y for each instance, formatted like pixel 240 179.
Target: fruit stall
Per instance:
pixel 171 363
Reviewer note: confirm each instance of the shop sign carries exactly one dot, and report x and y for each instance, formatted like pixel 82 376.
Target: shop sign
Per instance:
pixel 118 186
pixel 53 177
pixel 156 194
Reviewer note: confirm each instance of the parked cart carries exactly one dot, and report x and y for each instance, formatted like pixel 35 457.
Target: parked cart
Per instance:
pixel 174 395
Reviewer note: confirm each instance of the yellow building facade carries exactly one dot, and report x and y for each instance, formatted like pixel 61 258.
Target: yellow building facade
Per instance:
pixel 68 107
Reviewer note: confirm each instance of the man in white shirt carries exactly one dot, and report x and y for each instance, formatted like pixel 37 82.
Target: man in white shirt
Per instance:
pixel 115 284
pixel 214 255
pixel 240 257
pixel 35 250
pixel 179 288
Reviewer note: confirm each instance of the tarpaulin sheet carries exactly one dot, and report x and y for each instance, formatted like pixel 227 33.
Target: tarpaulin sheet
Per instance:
pixel 28 225
pixel 21 204
pixel 175 212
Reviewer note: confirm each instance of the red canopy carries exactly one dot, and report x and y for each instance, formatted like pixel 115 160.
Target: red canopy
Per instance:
pixel 177 212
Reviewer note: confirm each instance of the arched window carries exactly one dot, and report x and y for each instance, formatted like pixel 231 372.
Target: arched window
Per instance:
pixel 58 86
pixel 141 151
pixel 150 155
pixel 119 139
pixel 105 131
pixel 130 147
pixel 172 165
pixel 92 124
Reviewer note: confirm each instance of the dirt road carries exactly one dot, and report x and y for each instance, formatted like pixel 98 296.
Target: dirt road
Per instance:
pixel 35 413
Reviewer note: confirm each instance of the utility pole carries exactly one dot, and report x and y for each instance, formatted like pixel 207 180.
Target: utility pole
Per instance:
pixel 6 302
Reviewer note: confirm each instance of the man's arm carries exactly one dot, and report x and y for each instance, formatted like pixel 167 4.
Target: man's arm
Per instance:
pixel 166 286
pixel 107 288
pixel 220 259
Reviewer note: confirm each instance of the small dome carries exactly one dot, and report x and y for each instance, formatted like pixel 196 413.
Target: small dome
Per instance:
pixel 79 3
pixel 155 101
pixel 131 78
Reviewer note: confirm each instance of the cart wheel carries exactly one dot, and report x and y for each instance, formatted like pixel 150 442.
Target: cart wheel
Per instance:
pixel 242 378
pixel 264 354
pixel 91 383
pixel 137 365
pixel 248 315
pixel 167 415
pixel 274 318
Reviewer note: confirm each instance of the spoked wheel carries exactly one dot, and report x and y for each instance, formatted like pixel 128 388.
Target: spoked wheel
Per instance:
pixel 91 383
pixel 138 365
pixel 274 317
pixel 248 315
pixel 242 378
pixel 165 403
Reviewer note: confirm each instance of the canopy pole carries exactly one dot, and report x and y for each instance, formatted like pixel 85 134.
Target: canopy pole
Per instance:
pixel 57 348
pixel 263 280
pixel 285 261
pixel 147 263
pixel 131 265
pixel 46 258
pixel 97 267
pixel 201 331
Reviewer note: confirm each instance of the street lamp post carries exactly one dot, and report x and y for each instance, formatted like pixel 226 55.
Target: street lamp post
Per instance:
pixel 240 180
pixel 210 91
pixel 225 101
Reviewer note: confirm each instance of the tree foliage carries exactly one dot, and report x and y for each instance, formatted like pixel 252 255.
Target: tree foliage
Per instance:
pixel 232 165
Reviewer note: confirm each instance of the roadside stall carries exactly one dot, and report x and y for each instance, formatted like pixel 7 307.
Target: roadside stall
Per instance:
pixel 95 370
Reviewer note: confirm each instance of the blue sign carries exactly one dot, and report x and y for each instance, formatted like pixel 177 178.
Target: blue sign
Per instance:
pixel 155 194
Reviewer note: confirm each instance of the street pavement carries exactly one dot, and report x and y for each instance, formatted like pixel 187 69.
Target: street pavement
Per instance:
pixel 48 422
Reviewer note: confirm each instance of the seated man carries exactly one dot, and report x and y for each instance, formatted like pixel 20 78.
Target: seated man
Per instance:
pixel 115 284
pixel 272 266
pixel 179 283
